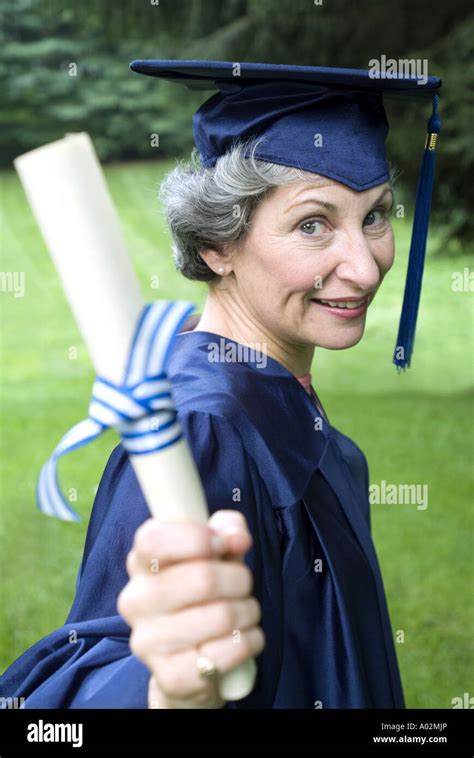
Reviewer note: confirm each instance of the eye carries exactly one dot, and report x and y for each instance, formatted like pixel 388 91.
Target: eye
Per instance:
pixel 312 228
pixel 377 217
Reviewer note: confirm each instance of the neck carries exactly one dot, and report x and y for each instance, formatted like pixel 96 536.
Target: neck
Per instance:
pixel 229 318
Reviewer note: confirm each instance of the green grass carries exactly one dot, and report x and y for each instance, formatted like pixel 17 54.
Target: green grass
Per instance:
pixel 414 428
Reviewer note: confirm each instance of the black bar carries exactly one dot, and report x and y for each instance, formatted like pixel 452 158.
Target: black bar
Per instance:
pixel 149 732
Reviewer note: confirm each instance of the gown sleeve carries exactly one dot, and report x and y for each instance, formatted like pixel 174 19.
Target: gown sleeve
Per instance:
pixel 87 663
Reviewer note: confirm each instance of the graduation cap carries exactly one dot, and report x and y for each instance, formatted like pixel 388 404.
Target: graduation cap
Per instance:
pixel 287 106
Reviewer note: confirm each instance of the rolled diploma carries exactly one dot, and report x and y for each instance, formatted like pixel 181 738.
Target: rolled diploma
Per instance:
pixel 66 189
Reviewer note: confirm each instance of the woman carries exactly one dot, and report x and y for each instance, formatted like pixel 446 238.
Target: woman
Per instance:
pixel 293 235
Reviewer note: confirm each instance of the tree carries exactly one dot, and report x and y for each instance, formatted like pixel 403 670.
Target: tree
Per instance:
pixel 65 70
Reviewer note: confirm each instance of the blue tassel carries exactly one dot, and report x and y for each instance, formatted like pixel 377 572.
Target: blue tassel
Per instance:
pixel 411 299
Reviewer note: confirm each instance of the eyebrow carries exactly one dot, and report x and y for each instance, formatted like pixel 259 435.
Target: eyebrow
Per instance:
pixel 334 208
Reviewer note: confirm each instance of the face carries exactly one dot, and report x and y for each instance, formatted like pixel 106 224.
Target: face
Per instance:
pixel 313 261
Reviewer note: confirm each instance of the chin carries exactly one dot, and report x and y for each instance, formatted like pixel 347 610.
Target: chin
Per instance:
pixel 341 339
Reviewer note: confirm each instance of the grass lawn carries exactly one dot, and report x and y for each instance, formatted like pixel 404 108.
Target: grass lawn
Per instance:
pixel 415 428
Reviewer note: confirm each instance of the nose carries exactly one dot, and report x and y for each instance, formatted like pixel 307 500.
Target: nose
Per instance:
pixel 357 263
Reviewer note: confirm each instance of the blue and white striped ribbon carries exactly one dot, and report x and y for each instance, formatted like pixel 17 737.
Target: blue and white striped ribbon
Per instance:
pixel 142 409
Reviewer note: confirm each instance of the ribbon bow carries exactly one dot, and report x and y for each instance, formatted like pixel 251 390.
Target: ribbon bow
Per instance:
pixel 141 409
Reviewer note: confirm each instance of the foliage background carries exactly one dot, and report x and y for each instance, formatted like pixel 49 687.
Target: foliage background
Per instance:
pixel 41 38
pixel 416 427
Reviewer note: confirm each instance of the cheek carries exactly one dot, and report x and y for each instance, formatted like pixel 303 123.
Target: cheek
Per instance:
pixel 383 251
pixel 282 267
pixel 275 268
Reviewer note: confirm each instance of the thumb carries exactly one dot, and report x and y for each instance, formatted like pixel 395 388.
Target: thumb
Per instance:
pixel 232 527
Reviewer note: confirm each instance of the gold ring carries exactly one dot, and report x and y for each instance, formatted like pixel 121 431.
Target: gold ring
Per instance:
pixel 206 667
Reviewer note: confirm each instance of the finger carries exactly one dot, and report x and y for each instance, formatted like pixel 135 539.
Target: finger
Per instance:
pixel 208 698
pixel 232 526
pixel 178 676
pixel 173 632
pixel 159 544
pixel 182 585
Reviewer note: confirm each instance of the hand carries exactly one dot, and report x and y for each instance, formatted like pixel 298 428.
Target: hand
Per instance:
pixel 183 600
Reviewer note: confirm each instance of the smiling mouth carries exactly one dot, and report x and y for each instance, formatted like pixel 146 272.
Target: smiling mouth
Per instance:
pixel 350 307
pixel 343 303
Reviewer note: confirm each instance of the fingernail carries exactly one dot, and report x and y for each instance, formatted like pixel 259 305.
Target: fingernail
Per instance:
pixel 231 529
pixel 218 543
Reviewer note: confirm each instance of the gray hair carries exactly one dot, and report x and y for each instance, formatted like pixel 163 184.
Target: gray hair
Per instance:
pixel 211 208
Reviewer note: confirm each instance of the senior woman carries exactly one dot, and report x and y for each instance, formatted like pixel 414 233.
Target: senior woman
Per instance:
pixel 286 214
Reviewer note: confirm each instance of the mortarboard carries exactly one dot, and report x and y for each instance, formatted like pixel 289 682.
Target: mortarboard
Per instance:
pixel 287 107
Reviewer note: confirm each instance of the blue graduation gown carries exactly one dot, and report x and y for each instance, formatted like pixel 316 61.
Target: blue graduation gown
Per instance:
pixel 260 446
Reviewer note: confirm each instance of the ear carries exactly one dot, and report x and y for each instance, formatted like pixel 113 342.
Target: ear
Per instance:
pixel 219 262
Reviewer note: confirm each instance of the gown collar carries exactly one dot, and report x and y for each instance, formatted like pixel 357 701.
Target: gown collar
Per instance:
pixel 288 447
pixel 300 441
